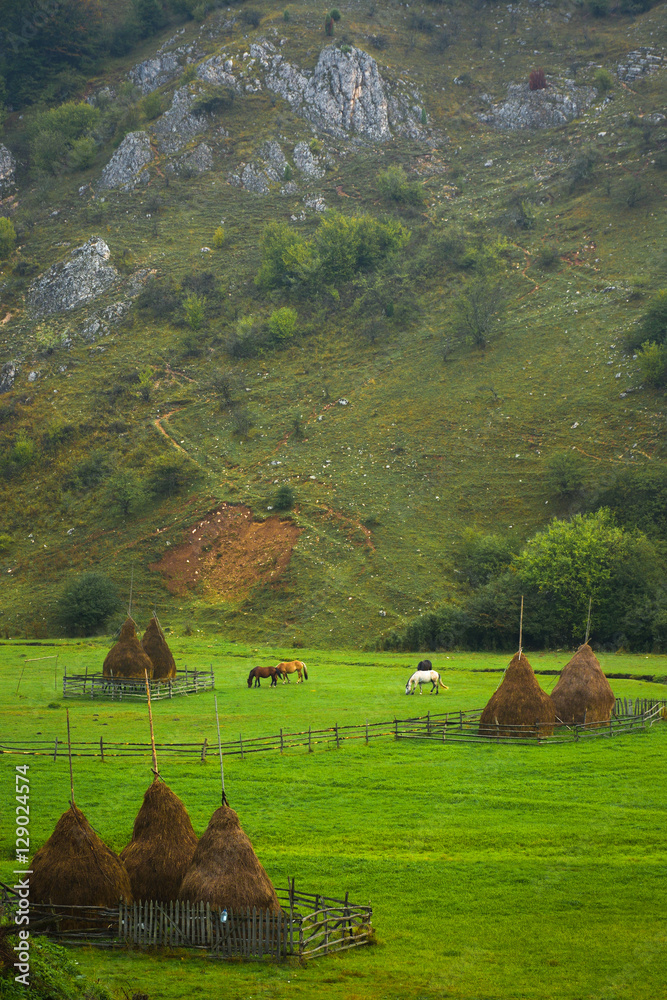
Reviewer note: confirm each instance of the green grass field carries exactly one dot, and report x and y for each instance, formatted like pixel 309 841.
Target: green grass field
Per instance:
pixel 494 872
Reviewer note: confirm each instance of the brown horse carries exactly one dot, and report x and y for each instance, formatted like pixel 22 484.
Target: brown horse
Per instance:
pixel 258 672
pixel 286 667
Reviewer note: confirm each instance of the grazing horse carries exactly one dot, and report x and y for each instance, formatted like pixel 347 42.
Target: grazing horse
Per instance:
pixel 258 672
pixel 425 677
pixel 292 667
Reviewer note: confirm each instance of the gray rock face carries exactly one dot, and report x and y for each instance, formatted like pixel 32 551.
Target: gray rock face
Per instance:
pixel 179 126
pixel 198 161
pixel 153 73
pixel 257 177
pixel 274 160
pixel 7 376
pixel 7 171
pixel 639 63
pixel 218 70
pixel 254 180
pixel 533 109
pixel 346 94
pixel 83 277
pixel 125 169
pixel 306 162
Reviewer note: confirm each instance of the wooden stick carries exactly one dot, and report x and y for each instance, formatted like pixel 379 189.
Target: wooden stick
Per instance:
pixel 150 720
pixel 129 607
pixel 588 623
pixel 521 627
pixel 222 770
pixel 69 753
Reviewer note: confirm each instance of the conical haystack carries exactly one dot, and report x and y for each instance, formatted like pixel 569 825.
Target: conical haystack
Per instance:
pixel 582 693
pixel 76 868
pixel 156 649
pixel 162 845
pixel 127 658
pixel 225 871
pixel 518 702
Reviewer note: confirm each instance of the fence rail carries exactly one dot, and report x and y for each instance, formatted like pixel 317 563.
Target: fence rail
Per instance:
pixel 95 685
pixel 308 925
pixel 629 717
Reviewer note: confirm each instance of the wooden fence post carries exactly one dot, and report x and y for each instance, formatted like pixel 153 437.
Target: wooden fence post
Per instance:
pixel 366 732
pixel 395 728
pixel 203 750
pixel 428 723
pixel 282 744
pixel 102 748
pixel 337 740
pixel 310 748
pixel 241 742
pixel 55 749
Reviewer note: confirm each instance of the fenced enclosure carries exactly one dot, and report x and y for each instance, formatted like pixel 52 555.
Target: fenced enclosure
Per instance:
pixel 307 926
pixel 95 685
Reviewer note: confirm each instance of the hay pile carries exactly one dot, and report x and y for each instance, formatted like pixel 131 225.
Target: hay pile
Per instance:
pixel 76 868
pixel 162 845
pixel 519 701
pixel 582 693
pixel 225 871
pixel 155 647
pixel 127 658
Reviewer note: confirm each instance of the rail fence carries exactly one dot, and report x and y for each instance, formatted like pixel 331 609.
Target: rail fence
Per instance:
pixel 629 717
pixel 96 685
pixel 308 925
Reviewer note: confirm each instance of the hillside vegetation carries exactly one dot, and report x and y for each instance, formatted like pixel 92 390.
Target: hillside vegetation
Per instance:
pixel 316 427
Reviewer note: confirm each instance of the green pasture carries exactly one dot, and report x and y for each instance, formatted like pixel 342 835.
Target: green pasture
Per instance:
pixel 494 871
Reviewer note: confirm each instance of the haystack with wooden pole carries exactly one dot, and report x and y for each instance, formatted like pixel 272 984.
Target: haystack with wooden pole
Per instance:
pixel 76 868
pixel 583 693
pixel 163 841
pixel 155 647
pixel 225 870
pixel 518 704
pixel 126 658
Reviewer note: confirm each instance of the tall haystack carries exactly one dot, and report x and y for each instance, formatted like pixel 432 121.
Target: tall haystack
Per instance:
pixel 127 658
pixel 155 647
pixel 76 868
pixel 225 871
pixel 519 701
pixel 163 843
pixel 583 693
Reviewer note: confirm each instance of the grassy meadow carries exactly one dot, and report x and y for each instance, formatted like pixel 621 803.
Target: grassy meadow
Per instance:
pixel 493 871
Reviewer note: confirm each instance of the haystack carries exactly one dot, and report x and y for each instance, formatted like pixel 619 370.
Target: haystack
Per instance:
pixel 582 693
pixel 76 868
pixel 156 649
pixel 127 658
pixel 519 701
pixel 162 845
pixel 225 871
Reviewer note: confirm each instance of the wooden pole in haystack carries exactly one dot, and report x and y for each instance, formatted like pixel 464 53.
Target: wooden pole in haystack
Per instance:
pixel 222 770
pixel 588 623
pixel 521 627
pixel 150 720
pixel 129 607
pixel 69 754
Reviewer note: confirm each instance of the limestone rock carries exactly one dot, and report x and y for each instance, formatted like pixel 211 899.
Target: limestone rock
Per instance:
pixel 274 160
pixel 346 94
pixel 8 374
pixel 83 277
pixel 153 73
pixel 533 109
pixel 179 126
pixel 219 71
pixel 639 63
pixel 306 162
pixel 7 171
pixel 253 179
pixel 125 169
pixel 199 160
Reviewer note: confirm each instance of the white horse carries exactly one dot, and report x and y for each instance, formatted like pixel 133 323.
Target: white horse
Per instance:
pixel 420 677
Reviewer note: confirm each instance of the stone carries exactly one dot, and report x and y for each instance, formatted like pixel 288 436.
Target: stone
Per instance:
pixel 153 73
pixel 254 180
pixel 274 160
pixel 126 168
pixel 316 203
pixel 306 162
pixel 197 161
pixel 8 374
pixel 535 109
pixel 7 171
pixel 346 94
pixel 641 62
pixel 83 277
pixel 178 127
pixel 218 70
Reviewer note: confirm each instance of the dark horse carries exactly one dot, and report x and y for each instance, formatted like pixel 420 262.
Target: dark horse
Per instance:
pixel 258 672
pixel 424 665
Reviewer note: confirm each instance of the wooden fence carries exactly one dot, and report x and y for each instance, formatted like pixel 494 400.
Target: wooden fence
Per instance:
pixel 89 685
pixel 308 925
pixel 629 717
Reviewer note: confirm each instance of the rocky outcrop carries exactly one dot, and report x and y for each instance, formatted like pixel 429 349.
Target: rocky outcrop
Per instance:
pixel 80 279
pixel 218 70
pixel 346 94
pixel 534 109
pixel 639 63
pixel 274 160
pixel 153 73
pixel 270 169
pixel 7 171
pixel 7 376
pixel 126 168
pixel 177 127
pixel 197 161
pixel 306 162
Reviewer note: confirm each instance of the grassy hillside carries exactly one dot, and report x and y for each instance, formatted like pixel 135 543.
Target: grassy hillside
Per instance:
pixel 436 436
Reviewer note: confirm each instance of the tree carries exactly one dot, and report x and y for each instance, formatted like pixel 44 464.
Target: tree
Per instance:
pixel 86 603
pixel 282 323
pixel 476 309
pixel 170 474
pixel 125 491
pixel 652 359
pixel 194 307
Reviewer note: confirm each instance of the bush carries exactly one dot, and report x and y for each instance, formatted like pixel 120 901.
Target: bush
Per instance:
pixel 282 324
pixel 160 298
pixel 483 557
pixel 170 474
pixel 125 491
pixel 55 135
pixel 218 237
pixel 82 153
pixel 565 474
pixel 91 470
pixel 654 322
pixel 476 310
pixel 6 542
pixel 603 81
pixel 652 359
pixel 537 80
pixel 194 307
pixel 284 498
pixel 86 604
pixel 393 185
pixel 152 105
pixel 251 18
pixel 7 237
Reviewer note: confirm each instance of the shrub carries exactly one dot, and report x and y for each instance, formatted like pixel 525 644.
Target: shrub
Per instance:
pixel 194 307
pixel 328 26
pixel 335 14
pixel 393 185
pixel 23 451
pixel 125 491
pixel 82 153
pixel 476 309
pixel 251 18
pixel 245 338
pixel 169 475
pixel 483 557
pixel 152 105
pixel 603 81
pixel 276 240
pixel 6 542
pixel 282 323
pixel 7 237
pixel 547 257
pixel 654 323
pixel 537 80
pixel 218 237
pixel 159 298
pixel 91 470
pixel 565 474
pixel 652 359
pixel 284 498
pixel 86 604
pixel 53 135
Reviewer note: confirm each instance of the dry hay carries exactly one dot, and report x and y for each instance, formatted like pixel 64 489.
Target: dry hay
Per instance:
pixel 519 701
pixel 156 649
pixel 127 658
pixel 225 870
pixel 583 693
pixel 76 868
pixel 162 845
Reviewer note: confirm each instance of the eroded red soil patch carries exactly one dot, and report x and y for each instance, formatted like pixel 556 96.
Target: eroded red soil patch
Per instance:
pixel 228 552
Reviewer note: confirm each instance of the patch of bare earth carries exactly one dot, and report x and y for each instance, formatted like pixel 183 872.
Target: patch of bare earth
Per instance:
pixel 229 552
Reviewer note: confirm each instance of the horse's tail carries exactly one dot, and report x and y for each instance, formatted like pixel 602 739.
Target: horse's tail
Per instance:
pixel 305 672
pixel 443 686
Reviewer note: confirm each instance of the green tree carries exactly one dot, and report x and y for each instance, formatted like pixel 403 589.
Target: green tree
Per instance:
pixel 125 491
pixel 277 240
pixel 194 307
pixel 86 604
pixel 652 359
pixel 476 309
pixel 170 474
pixel 393 185
pixel 282 323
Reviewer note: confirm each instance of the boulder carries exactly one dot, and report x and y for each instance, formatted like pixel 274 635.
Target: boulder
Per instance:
pixel 274 160
pixel 7 376
pixel 533 109
pixel 306 162
pixel 346 94
pixel 218 70
pixel 197 161
pixel 153 73
pixel 7 171
pixel 126 168
pixel 83 277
